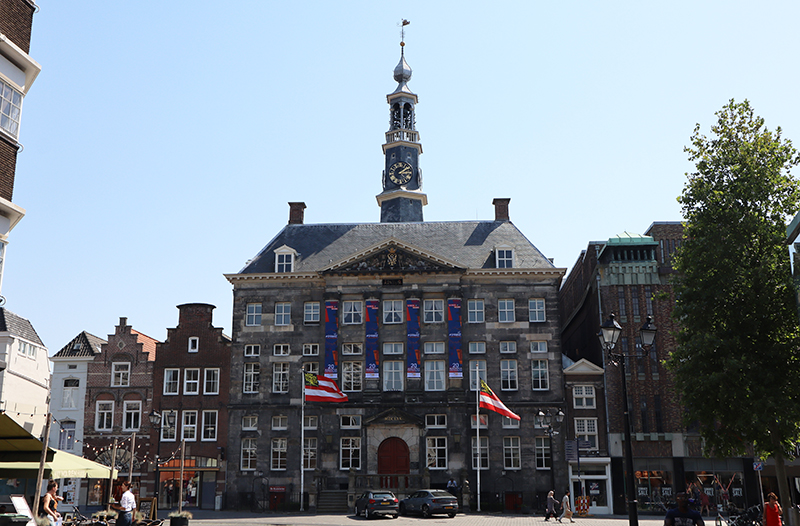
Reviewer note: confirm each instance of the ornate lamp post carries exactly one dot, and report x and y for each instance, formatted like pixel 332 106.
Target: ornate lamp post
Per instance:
pixel 610 332
pixel 155 422
pixel 546 421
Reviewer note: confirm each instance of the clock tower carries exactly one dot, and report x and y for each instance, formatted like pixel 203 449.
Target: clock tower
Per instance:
pixel 402 198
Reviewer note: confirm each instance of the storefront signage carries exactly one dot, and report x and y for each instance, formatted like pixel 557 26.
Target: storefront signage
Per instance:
pixel 277 489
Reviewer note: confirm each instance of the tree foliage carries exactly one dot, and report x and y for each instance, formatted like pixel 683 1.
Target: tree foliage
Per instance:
pixel 737 363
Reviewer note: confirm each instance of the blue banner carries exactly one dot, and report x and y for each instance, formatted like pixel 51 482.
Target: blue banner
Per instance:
pixel 371 339
pixel 454 336
pixel 412 317
pixel 331 339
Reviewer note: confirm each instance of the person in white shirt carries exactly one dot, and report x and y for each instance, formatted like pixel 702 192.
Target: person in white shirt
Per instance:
pixel 126 505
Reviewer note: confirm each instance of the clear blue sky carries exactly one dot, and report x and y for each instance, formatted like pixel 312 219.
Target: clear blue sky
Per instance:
pixel 164 139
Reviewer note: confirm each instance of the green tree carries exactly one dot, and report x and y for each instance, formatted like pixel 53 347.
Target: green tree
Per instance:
pixel 737 363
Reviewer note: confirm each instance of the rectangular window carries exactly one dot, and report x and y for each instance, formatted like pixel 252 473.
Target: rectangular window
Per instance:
pixel 280 422
pixel 310 421
pixel 66 439
pixel 169 426
pixel 105 416
pixel 477 369
pixel 310 349
pixel 352 375
pixel 484 421
pixel 436 452
pixel 311 312
pixel 211 382
pixel 508 347
pixel 309 453
pixel 539 375
pixel 505 311
pixel 393 348
pixel 434 347
pixel 508 375
pixel 436 421
pixel 434 375
pixel 350 421
pixel 249 457
pixel 392 311
pixel 252 377
pixel 648 300
pixel 635 300
pixel 352 349
pixel 280 377
pixel 505 258
pixel 512 457
pixel 538 346
pixel 392 376
pixel 643 410
pixel 475 311
pixel 280 349
pixel 209 426
pixel 477 347
pixel 484 453
pixel 621 301
pixel 252 350
pixel 194 344
pixel 311 367
pixel 190 425
pixel 120 374
pixel 542 453
pixel 350 453
pixel 352 312
pixel 586 429
pixel 536 310
pixel 657 413
pixel 253 317
pixel 583 397
pixel 653 360
pixel 433 311
pixel 283 314
pixel 510 423
pixel 191 381
pixel 10 108
pixel 283 262
pixel 132 418
pixel 249 422
pixel 69 399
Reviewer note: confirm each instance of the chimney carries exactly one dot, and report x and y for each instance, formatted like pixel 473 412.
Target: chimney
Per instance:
pixel 501 208
pixel 296 213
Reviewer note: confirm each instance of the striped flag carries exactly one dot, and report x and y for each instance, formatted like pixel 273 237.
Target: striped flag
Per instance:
pixel 489 400
pixel 322 389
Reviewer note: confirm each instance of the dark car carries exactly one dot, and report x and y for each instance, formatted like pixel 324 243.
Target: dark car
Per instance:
pixel 373 503
pixel 428 502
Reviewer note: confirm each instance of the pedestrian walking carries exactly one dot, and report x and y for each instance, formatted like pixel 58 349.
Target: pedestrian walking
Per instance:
pixel 551 506
pixel 772 511
pixel 566 509
pixel 683 515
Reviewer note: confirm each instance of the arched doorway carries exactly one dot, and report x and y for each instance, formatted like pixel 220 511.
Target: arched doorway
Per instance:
pixel 393 460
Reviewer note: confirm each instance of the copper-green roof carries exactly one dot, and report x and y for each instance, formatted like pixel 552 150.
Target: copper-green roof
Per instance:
pixel 628 238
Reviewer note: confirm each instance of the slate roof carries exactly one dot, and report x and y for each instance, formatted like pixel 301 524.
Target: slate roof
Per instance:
pixel 469 244
pixel 18 326
pixel 87 345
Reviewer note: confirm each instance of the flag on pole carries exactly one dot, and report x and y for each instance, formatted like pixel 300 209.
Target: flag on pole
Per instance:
pixel 322 389
pixel 489 400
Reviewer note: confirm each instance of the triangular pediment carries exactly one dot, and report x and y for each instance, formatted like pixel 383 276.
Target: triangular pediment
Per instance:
pixel 584 366
pixel 394 417
pixel 392 257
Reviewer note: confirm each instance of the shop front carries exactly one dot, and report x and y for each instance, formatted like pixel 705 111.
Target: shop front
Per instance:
pixel 591 477
pixel 197 488
pixel 718 482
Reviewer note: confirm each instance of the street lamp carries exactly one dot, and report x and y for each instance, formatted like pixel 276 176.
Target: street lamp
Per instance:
pixel 155 421
pixel 609 333
pixel 546 421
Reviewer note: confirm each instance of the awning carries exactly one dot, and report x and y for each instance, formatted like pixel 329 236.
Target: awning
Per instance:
pixel 18 445
pixel 63 465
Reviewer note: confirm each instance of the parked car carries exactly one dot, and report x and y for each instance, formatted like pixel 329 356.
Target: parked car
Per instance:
pixel 428 502
pixel 374 503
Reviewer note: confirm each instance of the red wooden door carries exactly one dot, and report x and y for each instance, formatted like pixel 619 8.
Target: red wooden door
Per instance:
pixel 393 459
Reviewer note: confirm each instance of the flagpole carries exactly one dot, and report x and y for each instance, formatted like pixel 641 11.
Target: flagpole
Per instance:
pixel 478 429
pixel 302 437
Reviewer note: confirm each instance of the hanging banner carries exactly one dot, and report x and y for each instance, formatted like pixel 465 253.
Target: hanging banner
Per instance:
pixel 412 317
pixel 331 339
pixel 371 339
pixel 454 338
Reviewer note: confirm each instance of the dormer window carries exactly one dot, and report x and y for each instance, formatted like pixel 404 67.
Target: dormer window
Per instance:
pixel 504 257
pixel 284 259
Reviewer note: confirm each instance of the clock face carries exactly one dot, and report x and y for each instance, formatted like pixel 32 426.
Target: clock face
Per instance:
pixel 400 172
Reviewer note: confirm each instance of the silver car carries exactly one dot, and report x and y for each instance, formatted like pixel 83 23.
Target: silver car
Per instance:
pixel 428 502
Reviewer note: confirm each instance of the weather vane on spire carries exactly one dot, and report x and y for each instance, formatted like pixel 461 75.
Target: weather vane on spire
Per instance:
pixel 403 25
